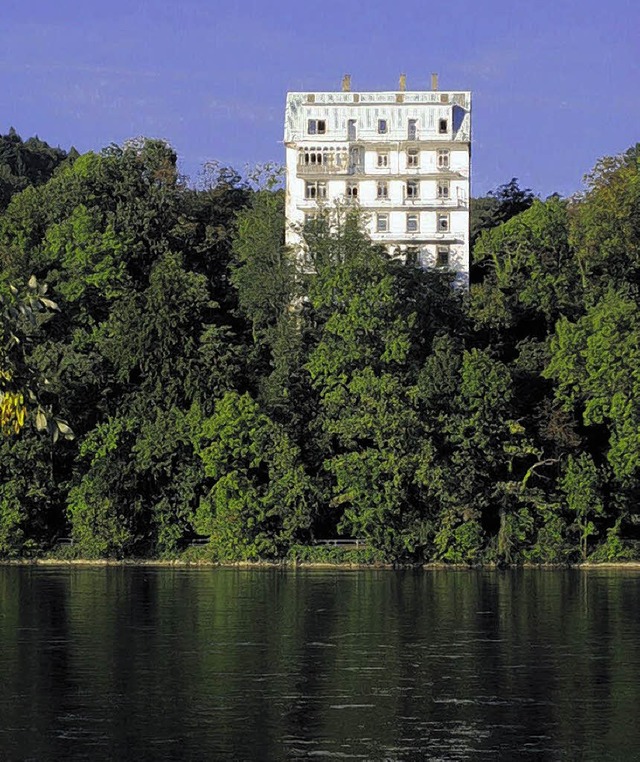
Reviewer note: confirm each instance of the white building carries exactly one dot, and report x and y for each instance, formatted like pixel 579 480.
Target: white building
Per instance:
pixel 402 156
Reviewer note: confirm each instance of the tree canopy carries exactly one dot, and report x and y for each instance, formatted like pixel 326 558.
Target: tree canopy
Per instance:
pixel 204 382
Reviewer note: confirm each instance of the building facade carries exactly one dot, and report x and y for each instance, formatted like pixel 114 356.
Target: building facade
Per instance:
pixel 403 157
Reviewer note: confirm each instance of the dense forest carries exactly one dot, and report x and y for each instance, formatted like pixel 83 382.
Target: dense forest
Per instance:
pixel 169 373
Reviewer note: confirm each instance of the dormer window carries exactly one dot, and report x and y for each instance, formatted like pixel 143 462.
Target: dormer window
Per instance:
pixel 443 126
pixel 316 127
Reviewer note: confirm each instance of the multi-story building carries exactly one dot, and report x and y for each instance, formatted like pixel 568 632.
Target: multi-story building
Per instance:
pixel 402 156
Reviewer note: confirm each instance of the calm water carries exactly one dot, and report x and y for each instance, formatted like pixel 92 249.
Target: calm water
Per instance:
pixel 209 664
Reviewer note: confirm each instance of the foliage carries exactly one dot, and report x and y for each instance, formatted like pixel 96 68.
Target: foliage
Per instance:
pixel 258 500
pixel 497 207
pixel 223 388
pixel 20 383
pixel 25 163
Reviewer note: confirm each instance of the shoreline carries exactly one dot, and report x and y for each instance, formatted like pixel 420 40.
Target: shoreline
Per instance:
pixel 296 565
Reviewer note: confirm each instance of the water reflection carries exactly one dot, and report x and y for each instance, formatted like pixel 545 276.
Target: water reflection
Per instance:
pixel 163 664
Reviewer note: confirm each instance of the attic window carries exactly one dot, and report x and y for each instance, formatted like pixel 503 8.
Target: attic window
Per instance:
pixel 443 126
pixel 316 127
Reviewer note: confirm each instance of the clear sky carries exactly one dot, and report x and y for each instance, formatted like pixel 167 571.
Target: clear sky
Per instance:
pixel 555 85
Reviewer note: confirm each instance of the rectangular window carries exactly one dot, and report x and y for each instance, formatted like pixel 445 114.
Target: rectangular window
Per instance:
pixel 412 129
pixel 383 189
pixel 443 189
pixel 411 255
pixel 443 223
pixel 443 126
pixel 413 157
pixel 443 158
pixel 383 160
pixel 355 159
pixel 315 189
pixel 442 256
pixel 352 190
pixel 314 156
pixel 382 223
pixel 383 127
pixel 412 223
pixel 316 127
pixel 351 129
pixel 413 189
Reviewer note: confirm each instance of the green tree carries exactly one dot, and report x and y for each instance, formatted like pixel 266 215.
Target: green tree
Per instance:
pixel 371 318
pixel 258 498
pixel 25 163
pixel 581 486
pixel 498 206
pixel 605 225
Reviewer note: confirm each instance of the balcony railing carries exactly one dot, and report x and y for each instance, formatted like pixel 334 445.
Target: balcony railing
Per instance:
pixel 421 235
pixel 306 170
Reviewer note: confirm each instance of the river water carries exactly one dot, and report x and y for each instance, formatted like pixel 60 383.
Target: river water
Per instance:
pixel 150 663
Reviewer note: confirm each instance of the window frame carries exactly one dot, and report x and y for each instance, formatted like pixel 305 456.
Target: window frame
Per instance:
pixel 414 217
pixel 382 160
pixel 413 158
pixel 316 126
pixel 443 185
pixel 383 126
pixel 412 189
pixel 382 189
pixel 443 158
pixel 382 222
pixel 315 190
pixel 443 222
pixel 443 256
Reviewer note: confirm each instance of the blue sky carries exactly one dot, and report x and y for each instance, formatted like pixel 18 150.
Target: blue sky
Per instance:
pixel 556 85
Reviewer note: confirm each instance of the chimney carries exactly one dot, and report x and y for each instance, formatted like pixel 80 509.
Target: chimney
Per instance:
pixel 403 83
pixel 346 83
pixel 434 82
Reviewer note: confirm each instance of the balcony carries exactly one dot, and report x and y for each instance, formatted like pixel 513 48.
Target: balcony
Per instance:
pixel 325 170
pixel 419 235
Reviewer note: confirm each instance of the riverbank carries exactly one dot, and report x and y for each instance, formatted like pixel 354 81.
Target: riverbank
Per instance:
pixel 292 565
